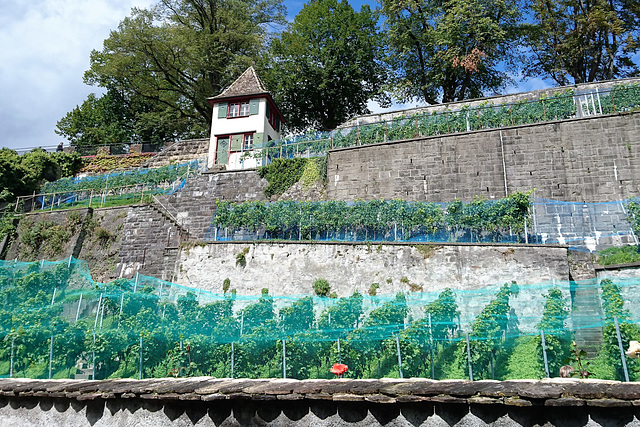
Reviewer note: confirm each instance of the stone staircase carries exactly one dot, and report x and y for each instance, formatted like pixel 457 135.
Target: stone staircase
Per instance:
pixel 586 305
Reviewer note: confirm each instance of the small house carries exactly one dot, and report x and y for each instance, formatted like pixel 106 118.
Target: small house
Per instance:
pixel 245 119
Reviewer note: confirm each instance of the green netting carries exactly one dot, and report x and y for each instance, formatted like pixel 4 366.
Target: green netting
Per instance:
pixel 113 189
pixel 55 319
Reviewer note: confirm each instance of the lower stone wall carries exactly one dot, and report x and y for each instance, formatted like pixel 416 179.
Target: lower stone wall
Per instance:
pixel 292 268
pixel 146 233
pixel 413 403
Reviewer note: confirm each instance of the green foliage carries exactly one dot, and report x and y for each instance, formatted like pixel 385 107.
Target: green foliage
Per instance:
pixel 575 42
pixel 489 330
pixel 388 218
pixel 45 239
pixel 307 51
pixel 282 174
pixel 310 174
pixel 449 51
pixel 523 362
pixel 22 175
pixel 613 307
pixel 190 337
pixel 98 121
pixel 619 255
pixel 553 323
pixel 164 174
pixel 443 311
pixel 373 289
pixel 167 60
pixel 104 162
pixel 612 301
pixel 321 288
pixel 633 216
pixel 226 284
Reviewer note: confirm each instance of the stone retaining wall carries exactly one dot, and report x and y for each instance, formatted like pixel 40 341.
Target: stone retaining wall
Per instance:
pixel 413 402
pixel 291 268
pixel 593 159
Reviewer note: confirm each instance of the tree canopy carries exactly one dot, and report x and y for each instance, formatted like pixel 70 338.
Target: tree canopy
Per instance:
pixel 162 63
pixel 22 174
pixel 575 41
pixel 326 65
pixel 168 59
pixel 443 51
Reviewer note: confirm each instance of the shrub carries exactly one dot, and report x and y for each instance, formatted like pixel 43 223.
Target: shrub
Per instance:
pixel 321 287
pixel 373 289
pixel 226 284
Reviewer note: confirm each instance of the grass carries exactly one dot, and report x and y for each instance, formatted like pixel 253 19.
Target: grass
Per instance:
pixel 619 255
pixel 110 201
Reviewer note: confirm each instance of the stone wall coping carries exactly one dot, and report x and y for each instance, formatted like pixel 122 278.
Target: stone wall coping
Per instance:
pixel 546 392
pixel 372 244
pixel 598 267
pixel 231 171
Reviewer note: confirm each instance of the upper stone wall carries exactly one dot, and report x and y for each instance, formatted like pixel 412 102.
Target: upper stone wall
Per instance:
pixel 180 152
pixel 593 159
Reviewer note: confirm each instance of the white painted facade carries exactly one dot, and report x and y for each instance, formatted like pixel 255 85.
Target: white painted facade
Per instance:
pixel 257 124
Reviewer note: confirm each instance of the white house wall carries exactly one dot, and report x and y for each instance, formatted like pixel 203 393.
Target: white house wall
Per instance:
pixel 257 123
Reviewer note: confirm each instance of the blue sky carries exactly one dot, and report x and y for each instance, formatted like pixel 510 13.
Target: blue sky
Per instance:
pixel 45 52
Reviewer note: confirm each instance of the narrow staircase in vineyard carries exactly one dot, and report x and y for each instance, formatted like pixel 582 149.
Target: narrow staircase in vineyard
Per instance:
pixel 585 303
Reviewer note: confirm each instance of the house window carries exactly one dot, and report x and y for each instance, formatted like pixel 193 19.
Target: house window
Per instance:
pixel 248 141
pixel 238 109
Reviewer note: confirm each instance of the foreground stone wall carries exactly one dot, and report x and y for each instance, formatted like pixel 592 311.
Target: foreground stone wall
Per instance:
pixel 414 402
pixel 292 268
pixel 593 159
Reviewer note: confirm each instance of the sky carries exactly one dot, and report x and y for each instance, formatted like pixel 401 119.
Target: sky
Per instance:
pixel 45 47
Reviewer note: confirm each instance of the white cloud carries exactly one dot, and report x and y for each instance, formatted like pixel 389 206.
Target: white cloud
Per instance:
pixel 45 51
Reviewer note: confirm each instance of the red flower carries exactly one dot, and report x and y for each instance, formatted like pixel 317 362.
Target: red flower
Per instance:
pixel 339 369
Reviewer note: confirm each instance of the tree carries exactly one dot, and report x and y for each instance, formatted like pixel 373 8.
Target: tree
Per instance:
pixel 98 121
pixel 575 41
pixel 22 175
pixel 167 60
pixel 326 65
pixel 449 50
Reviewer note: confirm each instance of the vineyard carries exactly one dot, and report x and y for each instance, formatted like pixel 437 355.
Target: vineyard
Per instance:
pixel 55 318
pixel 561 105
pixel 112 189
pixel 376 220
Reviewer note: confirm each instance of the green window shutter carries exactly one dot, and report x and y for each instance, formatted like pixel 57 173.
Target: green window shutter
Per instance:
pixel 258 139
pixel 268 111
pixel 236 143
pixel 222 110
pixel 277 123
pixel 254 107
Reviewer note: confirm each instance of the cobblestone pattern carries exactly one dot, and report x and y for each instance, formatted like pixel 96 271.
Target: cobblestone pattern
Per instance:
pixel 206 401
pixel 592 159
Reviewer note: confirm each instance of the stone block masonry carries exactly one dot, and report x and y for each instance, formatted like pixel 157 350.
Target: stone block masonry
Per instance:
pixel 416 402
pixel 292 268
pixel 195 205
pixel 146 233
pixel 180 152
pixel 594 159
